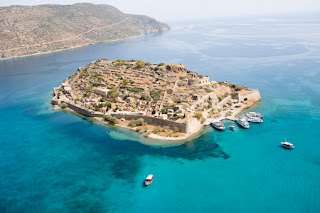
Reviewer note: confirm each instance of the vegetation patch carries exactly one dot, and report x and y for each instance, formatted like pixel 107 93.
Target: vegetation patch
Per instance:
pixel 110 119
pixel 155 94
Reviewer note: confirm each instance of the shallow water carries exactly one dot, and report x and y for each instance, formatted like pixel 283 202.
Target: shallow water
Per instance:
pixel 56 161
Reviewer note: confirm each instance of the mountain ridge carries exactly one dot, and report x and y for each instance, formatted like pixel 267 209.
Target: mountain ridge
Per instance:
pixel 29 30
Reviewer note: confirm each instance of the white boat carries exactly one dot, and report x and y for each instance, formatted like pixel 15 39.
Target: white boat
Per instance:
pixel 232 127
pixel 254 114
pixel 287 145
pixel 218 125
pixel 255 119
pixel 148 180
pixel 243 122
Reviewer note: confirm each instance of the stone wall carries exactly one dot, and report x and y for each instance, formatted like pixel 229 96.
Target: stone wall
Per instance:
pixel 156 121
pixel 82 111
pixel 199 81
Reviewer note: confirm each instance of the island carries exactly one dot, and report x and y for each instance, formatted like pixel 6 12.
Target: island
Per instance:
pixel 161 101
pixel 32 30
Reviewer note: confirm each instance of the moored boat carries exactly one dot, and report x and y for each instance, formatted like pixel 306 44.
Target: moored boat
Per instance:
pixel 218 125
pixel 148 180
pixel 243 122
pixel 254 114
pixel 254 119
pixel 287 145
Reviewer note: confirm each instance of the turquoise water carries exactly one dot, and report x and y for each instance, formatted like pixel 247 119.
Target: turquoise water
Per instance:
pixel 56 161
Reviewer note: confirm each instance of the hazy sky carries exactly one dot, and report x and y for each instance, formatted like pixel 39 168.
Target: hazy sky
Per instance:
pixel 167 10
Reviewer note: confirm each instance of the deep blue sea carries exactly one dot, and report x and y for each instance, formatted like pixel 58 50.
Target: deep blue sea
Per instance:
pixel 55 161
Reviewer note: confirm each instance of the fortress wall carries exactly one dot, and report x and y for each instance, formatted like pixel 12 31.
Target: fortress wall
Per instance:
pixel 83 111
pixel 253 95
pixel 156 121
pixel 199 81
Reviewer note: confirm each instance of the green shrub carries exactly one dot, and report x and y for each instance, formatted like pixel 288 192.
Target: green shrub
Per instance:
pixel 138 129
pixel 83 73
pixel 148 63
pixel 175 129
pixel 145 97
pixel 113 92
pixel 110 119
pixel 208 90
pixel 198 115
pixel 135 89
pixel 140 64
pixel 228 113
pixel 155 94
pixel 102 99
pixel 63 105
pixel 95 75
pixel 156 69
pixel 99 106
pixel 125 82
pixel 226 94
pixel 167 128
pixel 156 129
pixel 220 98
pixel 203 120
pixel 160 64
pixel 139 122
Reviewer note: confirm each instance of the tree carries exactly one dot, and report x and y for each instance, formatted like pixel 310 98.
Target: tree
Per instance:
pixel 175 129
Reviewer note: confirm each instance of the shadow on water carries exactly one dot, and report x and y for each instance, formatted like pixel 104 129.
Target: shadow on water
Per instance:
pixel 121 156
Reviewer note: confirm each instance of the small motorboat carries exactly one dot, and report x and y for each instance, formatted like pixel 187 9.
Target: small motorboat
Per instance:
pixel 287 145
pixel 232 127
pixel 218 125
pixel 148 180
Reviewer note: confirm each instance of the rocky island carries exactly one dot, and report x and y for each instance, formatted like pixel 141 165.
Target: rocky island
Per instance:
pixel 31 30
pixel 162 101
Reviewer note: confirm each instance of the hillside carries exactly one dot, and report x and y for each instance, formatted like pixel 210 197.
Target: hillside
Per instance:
pixel 27 30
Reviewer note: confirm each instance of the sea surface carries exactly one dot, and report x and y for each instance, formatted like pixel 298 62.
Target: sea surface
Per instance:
pixel 56 161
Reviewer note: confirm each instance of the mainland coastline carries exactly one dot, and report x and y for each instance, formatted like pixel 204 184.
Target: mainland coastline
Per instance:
pixel 165 102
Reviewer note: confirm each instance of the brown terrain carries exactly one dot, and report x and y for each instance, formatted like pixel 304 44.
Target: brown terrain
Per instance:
pixel 29 30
